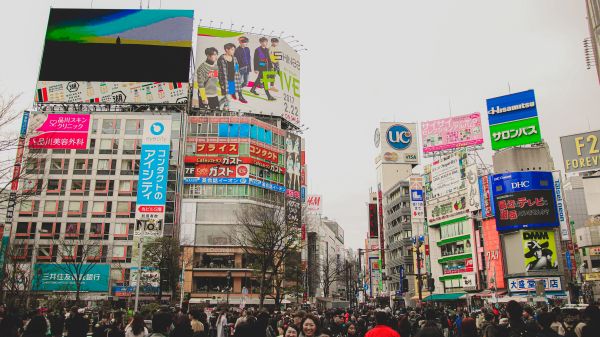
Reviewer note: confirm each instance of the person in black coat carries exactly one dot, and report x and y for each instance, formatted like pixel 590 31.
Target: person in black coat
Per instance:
pixel 262 63
pixel 76 324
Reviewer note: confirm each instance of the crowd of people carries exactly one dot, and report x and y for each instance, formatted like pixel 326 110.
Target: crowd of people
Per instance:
pixel 511 320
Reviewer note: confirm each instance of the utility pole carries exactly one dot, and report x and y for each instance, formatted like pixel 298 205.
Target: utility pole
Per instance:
pixel 139 271
pixel 419 280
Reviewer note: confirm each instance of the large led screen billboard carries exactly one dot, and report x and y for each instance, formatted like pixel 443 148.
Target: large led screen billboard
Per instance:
pixel 524 200
pixel 247 72
pixel 451 133
pixel 116 55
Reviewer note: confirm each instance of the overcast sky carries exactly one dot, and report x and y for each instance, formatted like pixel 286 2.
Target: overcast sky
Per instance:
pixel 370 61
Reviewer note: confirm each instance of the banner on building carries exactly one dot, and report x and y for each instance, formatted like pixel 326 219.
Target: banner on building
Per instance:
pixel 152 182
pixel 528 284
pixel 560 206
pixel 265 79
pixel 417 198
pixel 448 175
pixel 293 184
pixel 115 56
pixel 539 250
pixel 487 201
pixel 397 143
pixel 513 120
pixel 581 152
pixel 58 131
pixel 493 254
pixel 458 267
pixel 473 195
pixel 52 277
pixel 314 203
pixel 524 200
pixel 451 133
pixel 448 210
pixel 373 223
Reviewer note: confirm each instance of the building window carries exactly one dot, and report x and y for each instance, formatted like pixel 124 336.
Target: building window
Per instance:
pixel 25 230
pixel 50 230
pixel 134 126
pixel 73 230
pixel 59 166
pixel 77 209
pixel 106 166
pixel 69 252
pixel 90 148
pixel 99 231
pixel 109 146
pixel 130 167
pixel 128 187
pixel 46 253
pixel 101 209
pixel 54 187
pixel 111 126
pixel 22 252
pixel 32 186
pixel 125 209
pixel 29 208
pixel 132 146
pixel 104 187
pixel 83 166
pixel 79 187
pixel 35 166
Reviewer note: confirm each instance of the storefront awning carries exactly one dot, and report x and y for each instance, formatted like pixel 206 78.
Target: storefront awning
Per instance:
pixel 444 297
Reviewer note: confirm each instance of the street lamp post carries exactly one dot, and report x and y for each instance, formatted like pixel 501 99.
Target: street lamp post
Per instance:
pixel 139 271
pixel 228 286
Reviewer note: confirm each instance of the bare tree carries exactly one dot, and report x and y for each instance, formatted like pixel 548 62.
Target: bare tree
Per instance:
pixel 17 277
pixel 332 272
pixel 77 258
pixel 268 240
pixel 163 253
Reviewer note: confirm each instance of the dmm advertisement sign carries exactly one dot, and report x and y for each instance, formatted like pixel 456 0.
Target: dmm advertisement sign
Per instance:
pixel 524 200
pixel 52 277
pixel 152 183
pixel 451 133
pixel 247 72
pixel 539 250
pixel 581 152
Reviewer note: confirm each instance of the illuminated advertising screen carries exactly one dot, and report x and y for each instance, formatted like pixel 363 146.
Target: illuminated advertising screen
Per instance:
pixel 524 200
pixel 451 133
pixel 493 254
pixel 116 55
pixel 539 250
pixel 373 231
pixel 247 72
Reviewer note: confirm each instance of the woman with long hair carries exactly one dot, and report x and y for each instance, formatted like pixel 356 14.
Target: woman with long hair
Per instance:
pixel 137 327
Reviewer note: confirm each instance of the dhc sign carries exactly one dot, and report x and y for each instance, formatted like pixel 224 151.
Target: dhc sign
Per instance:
pixel 399 137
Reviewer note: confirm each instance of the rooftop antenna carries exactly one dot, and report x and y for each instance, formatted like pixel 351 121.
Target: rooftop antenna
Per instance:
pixel 251 29
pixel 261 31
pixel 508 87
pixel 281 34
pixel 242 28
pixel 450 106
pixel 210 25
pixel 221 25
pixel 231 27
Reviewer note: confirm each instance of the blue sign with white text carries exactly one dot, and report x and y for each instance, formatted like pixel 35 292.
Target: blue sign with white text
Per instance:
pixel 522 181
pixel 154 167
pixel 511 107
pixel 52 277
pixel 234 181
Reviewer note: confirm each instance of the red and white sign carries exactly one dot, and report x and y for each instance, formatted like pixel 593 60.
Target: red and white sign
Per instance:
pixel 263 153
pixel 217 148
pixel 314 203
pixel 222 171
pixel 234 161
pixel 151 209
pixel 59 131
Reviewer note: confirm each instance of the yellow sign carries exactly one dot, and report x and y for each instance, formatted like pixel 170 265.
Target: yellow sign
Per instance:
pixel 592 276
pixel 539 250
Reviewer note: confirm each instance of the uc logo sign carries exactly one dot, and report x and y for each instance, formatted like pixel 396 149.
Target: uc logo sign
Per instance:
pixel 157 128
pixel 399 137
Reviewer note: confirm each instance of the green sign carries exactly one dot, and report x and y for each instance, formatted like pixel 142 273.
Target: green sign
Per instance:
pixel 515 133
pixel 51 277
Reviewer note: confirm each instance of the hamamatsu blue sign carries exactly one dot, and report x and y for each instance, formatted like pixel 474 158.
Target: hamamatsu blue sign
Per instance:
pixel 511 107
pixel 51 277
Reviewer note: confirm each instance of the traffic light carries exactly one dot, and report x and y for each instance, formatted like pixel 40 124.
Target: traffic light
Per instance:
pixel 431 284
pixel 404 285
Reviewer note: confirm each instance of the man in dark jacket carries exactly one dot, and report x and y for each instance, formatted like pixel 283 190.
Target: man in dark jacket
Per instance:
pixel 57 323
pixel 76 324
pixel 242 54
pixel 262 63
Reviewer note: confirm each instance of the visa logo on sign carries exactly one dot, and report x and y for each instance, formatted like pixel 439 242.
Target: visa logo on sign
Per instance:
pixel 520 184
pixel 399 137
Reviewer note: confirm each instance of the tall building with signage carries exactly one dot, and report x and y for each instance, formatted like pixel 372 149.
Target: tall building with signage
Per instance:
pixel 527 199
pixel 397 153
pixel 122 148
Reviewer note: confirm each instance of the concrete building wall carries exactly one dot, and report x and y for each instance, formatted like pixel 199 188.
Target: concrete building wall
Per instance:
pixel 523 159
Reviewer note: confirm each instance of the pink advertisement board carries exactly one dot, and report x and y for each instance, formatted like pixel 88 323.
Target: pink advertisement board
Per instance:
pixel 451 133
pixel 59 131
